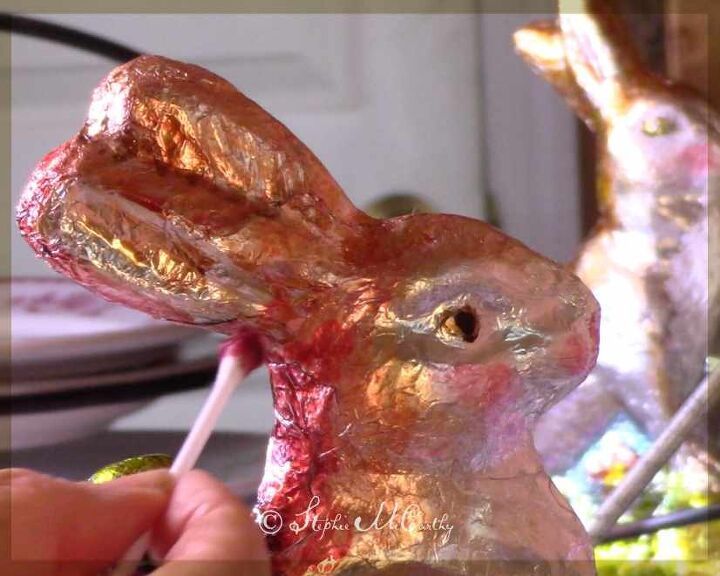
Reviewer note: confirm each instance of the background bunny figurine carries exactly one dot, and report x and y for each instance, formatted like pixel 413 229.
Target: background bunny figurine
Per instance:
pixel 409 357
pixel 647 259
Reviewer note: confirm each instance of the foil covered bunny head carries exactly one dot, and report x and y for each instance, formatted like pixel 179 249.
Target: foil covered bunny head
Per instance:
pixel 409 357
pixel 652 259
pixel 653 135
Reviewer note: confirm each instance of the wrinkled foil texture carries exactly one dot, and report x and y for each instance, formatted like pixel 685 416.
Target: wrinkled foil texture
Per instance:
pixel 409 357
pixel 652 260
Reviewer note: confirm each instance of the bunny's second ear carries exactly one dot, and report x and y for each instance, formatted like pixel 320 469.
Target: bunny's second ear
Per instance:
pixel 184 199
pixel 600 53
pixel 541 45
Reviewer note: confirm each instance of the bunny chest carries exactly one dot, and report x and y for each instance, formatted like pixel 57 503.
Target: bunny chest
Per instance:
pixel 617 265
pixel 652 289
pixel 332 504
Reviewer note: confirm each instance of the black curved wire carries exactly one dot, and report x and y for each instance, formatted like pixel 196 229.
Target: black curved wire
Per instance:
pixel 68 36
pixel 657 523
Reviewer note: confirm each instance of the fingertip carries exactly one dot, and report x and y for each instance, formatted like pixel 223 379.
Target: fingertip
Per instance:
pixel 197 477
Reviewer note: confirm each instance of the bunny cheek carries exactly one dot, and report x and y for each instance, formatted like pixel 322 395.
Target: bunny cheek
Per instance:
pixel 482 387
pixel 695 161
pixel 701 161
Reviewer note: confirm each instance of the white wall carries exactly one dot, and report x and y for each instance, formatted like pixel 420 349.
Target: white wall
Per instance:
pixel 531 145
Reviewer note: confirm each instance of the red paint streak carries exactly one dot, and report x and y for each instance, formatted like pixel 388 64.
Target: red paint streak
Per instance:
pixel 304 445
pixel 302 452
pixel 578 351
pixel 247 347
pixel 323 355
pixel 573 355
pixel 45 178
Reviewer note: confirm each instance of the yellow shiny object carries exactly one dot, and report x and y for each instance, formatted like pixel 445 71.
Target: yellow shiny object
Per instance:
pixel 133 465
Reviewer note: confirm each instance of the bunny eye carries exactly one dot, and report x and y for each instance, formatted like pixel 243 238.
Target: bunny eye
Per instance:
pixel 659 126
pixel 461 324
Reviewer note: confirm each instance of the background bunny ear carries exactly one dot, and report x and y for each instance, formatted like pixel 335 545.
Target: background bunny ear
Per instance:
pixel 599 52
pixel 541 45
pixel 184 199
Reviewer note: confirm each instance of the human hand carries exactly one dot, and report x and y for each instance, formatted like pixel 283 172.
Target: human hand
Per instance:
pixel 53 527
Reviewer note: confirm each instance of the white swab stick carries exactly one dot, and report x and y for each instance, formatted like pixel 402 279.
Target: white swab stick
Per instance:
pixel 231 372
pixel 229 375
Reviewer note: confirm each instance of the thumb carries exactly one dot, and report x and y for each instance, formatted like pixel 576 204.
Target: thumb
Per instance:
pixel 206 531
pixel 84 525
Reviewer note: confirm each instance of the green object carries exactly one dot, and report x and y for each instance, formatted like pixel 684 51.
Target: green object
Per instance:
pixel 683 551
pixel 133 465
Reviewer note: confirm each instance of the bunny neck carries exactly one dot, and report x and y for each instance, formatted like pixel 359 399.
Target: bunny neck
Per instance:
pixel 312 462
pixel 318 394
pixel 481 514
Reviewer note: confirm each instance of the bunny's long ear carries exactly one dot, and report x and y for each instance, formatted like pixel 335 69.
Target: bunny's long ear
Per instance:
pixel 541 45
pixel 184 199
pixel 600 53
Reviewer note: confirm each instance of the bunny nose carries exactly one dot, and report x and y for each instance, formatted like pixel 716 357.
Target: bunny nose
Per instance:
pixel 576 352
pixel 575 349
pixel 564 300
pixel 569 316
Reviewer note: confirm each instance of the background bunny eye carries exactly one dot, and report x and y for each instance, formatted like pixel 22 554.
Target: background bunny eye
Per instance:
pixel 462 323
pixel 659 126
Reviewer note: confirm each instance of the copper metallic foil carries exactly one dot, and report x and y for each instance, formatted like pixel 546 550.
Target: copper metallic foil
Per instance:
pixel 647 260
pixel 409 357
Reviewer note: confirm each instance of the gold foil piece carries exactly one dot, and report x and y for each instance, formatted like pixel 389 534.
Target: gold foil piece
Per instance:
pixel 129 466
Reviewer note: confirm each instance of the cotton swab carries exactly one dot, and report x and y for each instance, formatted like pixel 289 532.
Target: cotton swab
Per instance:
pixel 237 359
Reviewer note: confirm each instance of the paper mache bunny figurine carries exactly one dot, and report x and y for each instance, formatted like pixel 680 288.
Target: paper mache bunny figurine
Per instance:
pixel 409 357
pixel 647 259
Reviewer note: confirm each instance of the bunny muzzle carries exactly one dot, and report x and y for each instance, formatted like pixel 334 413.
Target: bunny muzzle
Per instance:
pixel 496 325
pixel 549 340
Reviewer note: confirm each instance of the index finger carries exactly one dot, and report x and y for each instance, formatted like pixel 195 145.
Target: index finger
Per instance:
pixel 50 526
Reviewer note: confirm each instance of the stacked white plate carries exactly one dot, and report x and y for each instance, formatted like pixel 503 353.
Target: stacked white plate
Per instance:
pixel 78 362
